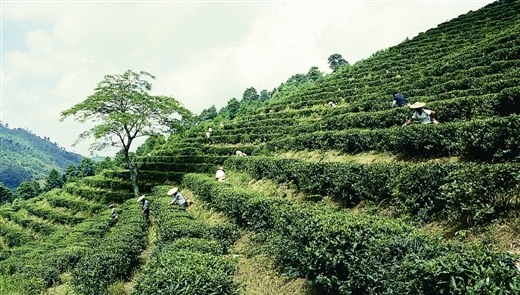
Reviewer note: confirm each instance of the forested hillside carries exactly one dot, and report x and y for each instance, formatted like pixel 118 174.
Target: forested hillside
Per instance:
pixel 25 156
pixel 318 198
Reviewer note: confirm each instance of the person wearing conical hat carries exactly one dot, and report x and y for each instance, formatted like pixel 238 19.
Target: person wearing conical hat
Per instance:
pixel 177 198
pixel 145 206
pixel 421 114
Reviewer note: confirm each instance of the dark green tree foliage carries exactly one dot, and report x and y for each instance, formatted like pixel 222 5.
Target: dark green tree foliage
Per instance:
pixel 86 167
pixel 53 180
pixel 6 195
pixel 28 189
pixel 314 74
pixel 208 114
pixel 250 94
pixel 153 142
pixel 231 109
pixel 123 110
pixel 107 163
pixel 25 156
pixel 12 175
pixel 336 61
pixel 71 172
pixel 296 79
pixel 264 95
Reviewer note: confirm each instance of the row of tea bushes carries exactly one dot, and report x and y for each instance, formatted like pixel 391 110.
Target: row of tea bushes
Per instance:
pixel 116 256
pixel 492 139
pixel 348 253
pixel 103 182
pixel 465 108
pixel 44 210
pixel 99 195
pixel 58 198
pixel 13 235
pixel 31 223
pixel 188 256
pixel 435 54
pixel 461 193
pixel 38 265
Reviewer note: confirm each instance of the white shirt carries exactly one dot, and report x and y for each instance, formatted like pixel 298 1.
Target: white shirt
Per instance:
pixel 423 117
pixel 220 174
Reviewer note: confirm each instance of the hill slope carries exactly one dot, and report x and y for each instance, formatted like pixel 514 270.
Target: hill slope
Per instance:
pixel 25 156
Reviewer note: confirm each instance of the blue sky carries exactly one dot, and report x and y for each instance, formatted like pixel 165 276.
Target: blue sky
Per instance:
pixel 203 53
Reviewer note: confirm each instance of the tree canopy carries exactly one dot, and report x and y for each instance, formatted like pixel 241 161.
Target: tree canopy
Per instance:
pixel 123 109
pixel 6 195
pixel 336 61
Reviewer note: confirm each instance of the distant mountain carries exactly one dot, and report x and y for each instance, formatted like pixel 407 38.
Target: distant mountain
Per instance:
pixel 25 156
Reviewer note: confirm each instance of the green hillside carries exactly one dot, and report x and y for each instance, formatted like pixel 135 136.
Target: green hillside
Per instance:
pixel 328 200
pixel 25 156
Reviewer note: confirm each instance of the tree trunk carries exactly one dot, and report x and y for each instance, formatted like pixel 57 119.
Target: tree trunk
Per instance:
pixel 133 173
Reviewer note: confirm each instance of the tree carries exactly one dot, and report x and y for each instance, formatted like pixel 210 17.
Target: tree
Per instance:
pixel 250 95
pixel 85 168
pixel 153 142
pixel 314 74
pixel 336 61
pixel 28 189
pixel 106 164
pixel 208 114
pixel 231 109
pixel 53 180
pixel 123 109
pixel 6 195
pixel 264 95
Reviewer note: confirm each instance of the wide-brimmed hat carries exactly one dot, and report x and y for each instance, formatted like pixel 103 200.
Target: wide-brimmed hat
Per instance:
pixel 417 105
pixel 140 198
pixel 172 191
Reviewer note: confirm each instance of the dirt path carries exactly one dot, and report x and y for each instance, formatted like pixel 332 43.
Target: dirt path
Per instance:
pixel 143 257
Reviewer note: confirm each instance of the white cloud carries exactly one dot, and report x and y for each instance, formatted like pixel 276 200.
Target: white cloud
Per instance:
pixel 202 53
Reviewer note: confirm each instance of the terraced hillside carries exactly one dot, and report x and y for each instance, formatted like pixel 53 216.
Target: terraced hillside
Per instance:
pixel 382 209
pixel 335 200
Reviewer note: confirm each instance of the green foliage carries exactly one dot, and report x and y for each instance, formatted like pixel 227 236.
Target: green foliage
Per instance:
pixel 250 95
pixel 152 142
pixel 418 190
pixel 208 114
pixel 11 175
pixel 6 195
pixel 336 61
pixel 53 180
pixel 463 194
pixel 230 110
pixel 73 204
pixel 186 272
pixel 25 156
pixel 115 258
pixel 122 107
pixel 14 236
pixel 477 194
pixel 344 253
pixel 28 189
pixel 201 245
pixel 19 285
pixel 27 222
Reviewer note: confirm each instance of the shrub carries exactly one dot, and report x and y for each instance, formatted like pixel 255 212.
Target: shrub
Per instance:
pixel 188 273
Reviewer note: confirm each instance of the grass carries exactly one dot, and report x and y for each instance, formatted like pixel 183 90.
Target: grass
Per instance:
pixel 360 158
pixel 256 273
pixel 336 156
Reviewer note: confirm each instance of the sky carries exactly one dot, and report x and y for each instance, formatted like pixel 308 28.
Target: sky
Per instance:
pixel 202 53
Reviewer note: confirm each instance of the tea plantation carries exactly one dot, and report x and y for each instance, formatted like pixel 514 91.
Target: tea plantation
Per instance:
pixel 360 205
